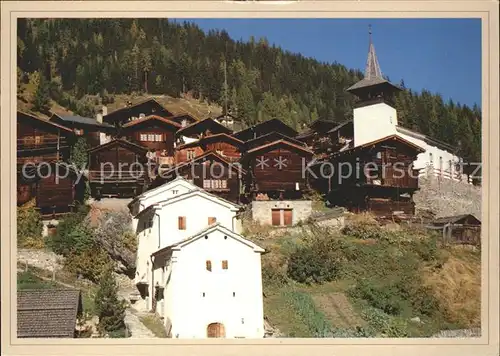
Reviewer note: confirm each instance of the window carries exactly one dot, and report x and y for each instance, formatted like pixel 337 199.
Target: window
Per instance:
pixel 182 223
pixel 441 164
pixel 175 191
pixel 151 137
pixel 190 154
pixel 430 158
pixel 379 155
pixel 212 220
pixel 224 264
pixel 158 138
pixel 144 137
pixel 209 265
pixel 214 184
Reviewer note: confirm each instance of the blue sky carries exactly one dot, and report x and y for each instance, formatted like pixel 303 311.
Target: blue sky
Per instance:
pixel 440 55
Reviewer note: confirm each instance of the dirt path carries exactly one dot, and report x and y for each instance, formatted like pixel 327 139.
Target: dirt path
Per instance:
pixel 338 310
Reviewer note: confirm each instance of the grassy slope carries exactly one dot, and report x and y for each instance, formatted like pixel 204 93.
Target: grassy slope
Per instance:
pixel 176 105
pixel 296 309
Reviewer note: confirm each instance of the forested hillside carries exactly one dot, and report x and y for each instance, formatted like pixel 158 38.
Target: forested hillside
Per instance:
pixel 69 60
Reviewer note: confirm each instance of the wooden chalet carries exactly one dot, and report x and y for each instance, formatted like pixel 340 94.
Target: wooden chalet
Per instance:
pixel 224 145
pixel 211 172
pixel 461 229
pixel 275 170
pixel 316 128
pixel 136 111
pixel 118 168
pixel 42 175
pixel 202 128
pixel 56 188
pixel 264 128
pixel 376 177
pixel 327 137
pixel 156 134
pixel 48 313
pixel 40 140
pixel 86 127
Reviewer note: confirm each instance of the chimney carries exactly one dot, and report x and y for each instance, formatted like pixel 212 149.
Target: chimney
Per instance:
pixel 98 117
pixel 104 110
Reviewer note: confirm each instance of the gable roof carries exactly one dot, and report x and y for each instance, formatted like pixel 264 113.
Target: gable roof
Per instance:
pixel 164 187
pixel 281 142
pixel 456 219
pixel 118 141
pixel 79 120
pixel 47 313
pixel 269 138
pixel 383 139
pixel 195 192
pixel 220 137
pixel 427 139
pixel 204 157
pixel 208 230
pixel 157 118
pixel 203 125
pixel 134 110
pixel 263 128
pixel 45 122
pixel 339 126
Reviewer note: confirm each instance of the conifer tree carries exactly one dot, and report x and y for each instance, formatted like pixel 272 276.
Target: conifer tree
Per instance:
pixel 110 309
pixel 41 100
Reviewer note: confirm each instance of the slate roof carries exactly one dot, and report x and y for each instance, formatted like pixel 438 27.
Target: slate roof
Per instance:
pixel 82 120
pixel 48 313
pixel 456 219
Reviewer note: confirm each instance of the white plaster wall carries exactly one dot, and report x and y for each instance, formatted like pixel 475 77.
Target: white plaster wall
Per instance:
pixel 191 312
pixel 373 122
pixel 147 243
pixel 197 209
pixel 262 210
pixel 431 156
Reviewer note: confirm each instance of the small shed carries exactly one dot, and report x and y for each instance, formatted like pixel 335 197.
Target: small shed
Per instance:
pixel 48 313
pixel 462 229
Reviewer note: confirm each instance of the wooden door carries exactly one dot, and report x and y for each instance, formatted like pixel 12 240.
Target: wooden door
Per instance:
pixel 216 330
pixel 276 217
pixel 288 217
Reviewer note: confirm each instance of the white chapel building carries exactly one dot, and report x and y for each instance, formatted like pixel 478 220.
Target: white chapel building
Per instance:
pixel 374 117
pixel 193 267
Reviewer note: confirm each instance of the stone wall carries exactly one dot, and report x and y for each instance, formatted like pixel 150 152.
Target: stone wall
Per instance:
pixel 262 210
pixel 445 197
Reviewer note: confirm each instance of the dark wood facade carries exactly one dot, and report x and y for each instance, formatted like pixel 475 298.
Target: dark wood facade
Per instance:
pixel 269 138
pixel 118 168
pixel 55 187
pixel 156 134
pixel 40 140
pixel 86 127
pixel 276 170
pixel 325 140
pixel 224 145
pixel 135 111
pixel 377 177
pixel 210 172
pixel 460 229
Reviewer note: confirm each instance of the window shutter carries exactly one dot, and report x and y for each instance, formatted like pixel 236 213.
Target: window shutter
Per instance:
pixel 209 266
pixel 224 264
pixel 182 223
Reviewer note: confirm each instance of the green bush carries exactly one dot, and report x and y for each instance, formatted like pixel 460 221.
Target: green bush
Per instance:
pixel 72 236
pixel 309 264
pixel 109 308
pixel 90 263
pixel 29 227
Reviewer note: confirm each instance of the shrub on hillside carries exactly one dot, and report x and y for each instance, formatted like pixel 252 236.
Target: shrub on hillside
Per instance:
pixel 316 262
pixel 29 227
pixel 109 308
pixel 89 263
pixel 72 236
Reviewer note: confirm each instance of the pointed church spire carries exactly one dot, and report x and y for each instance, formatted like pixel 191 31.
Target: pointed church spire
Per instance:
pixel 373 84
pixel 372 69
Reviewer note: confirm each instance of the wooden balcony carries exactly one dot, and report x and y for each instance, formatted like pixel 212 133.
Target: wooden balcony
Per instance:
pixel 121 177
pixel 41 143
pixel 399 180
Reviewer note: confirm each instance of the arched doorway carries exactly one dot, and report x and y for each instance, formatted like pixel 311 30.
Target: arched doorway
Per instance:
pixel 216 330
